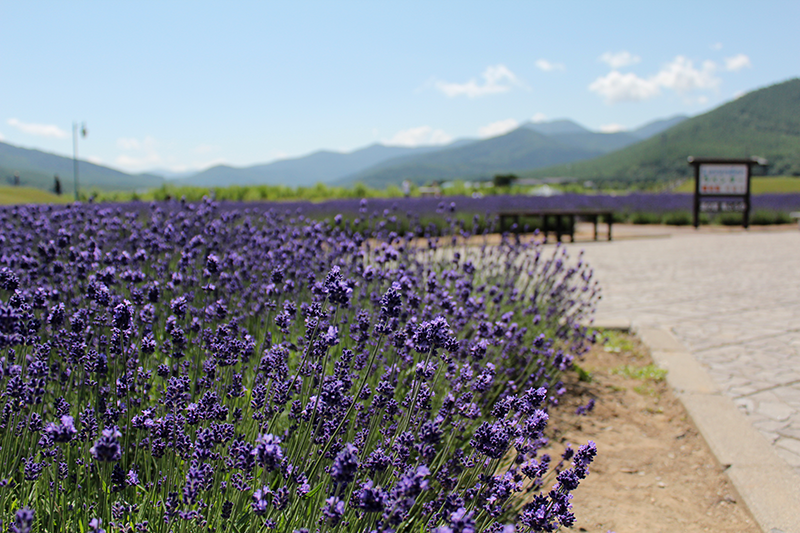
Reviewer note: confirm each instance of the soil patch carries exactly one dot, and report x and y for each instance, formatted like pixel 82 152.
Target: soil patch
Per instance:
pixel 653 472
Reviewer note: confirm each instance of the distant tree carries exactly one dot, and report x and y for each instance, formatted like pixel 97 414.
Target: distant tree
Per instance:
pixel 504 180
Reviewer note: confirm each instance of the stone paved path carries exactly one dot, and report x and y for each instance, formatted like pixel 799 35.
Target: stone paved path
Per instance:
pixel 733 299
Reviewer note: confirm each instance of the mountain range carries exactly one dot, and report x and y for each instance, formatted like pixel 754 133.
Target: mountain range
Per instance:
pixel 765 122
pixel 530 146
pixel 37 169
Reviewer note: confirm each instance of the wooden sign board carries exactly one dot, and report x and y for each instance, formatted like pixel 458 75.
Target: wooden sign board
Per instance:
pixel 722 185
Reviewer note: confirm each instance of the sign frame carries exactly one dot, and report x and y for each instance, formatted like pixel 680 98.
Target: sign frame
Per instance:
pixel 723 198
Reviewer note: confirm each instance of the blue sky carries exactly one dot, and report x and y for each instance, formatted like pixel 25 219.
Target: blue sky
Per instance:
pixel 186 85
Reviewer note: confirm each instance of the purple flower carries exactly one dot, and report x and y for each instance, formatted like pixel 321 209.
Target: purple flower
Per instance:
pixel 568 480
pixel 535 470
pixel 370 499
pixel 94 526
pixel 492 439
pixel 9 281
pixel 336 288
pixel 260 502
pixel 267 451
pixel 122 315
pixel 461 521
pixel 333 511
pixel 212 263
pixel 434 334
pixel 585 409
pixel 107 447
pixel 391 301
pixel 63 432
pixel 583 457
pixel 535 424
pixel 345 465
pixel 194 478
pixel 23 521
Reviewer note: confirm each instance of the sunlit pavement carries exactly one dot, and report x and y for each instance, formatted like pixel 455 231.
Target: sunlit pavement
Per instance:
pixel 731 296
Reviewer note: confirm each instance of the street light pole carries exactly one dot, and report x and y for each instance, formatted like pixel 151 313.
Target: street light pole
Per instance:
pixel 75 152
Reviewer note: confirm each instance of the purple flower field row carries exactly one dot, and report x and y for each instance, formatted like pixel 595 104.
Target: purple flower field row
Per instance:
pixel 627 203
pixel 206 367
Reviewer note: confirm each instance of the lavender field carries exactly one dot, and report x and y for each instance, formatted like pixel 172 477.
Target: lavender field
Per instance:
pixel 624 203
pixel 402 214
pixel 187 367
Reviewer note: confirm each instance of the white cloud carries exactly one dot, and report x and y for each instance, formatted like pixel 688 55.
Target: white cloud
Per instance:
pixel 680 76
pixel 618 87
pixel 612 128
pixel 620 59
pixel 142 153
pixel 497 128
pixel 539 117
pixel 496 79
pixel 739 94
pixel 716 46
pixel 422 135
pixel 737 62
pixel 94 159
pixel 547 66
pixel 41 130
pixel 146 160
pixel 128 143
pixel 2 138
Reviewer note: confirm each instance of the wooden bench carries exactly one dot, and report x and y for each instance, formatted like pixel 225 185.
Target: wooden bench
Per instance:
pixel 564 220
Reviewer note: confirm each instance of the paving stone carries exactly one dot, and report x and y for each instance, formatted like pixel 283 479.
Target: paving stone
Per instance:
pixel 771 425
pixel 790 395
pixel 771 436
pixel 732 299
pixel 792 458
pixel 775 410
pixel 792 445
pixel 791 432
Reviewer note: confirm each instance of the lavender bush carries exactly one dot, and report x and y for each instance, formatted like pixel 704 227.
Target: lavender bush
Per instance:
pixel 188 367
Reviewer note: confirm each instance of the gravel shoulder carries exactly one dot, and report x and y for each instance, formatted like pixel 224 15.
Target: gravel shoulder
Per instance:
pixel 654 472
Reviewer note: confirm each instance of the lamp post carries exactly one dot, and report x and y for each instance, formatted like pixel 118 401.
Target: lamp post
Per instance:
pixel 75 152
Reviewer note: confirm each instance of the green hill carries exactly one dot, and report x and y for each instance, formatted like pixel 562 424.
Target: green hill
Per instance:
pixel 319 167
pixel 515 151
pixel 36 169
pixel 765 122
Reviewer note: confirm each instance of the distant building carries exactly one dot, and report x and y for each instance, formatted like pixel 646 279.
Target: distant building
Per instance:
pixel 543 181
pixel 544 190
pixel 433 191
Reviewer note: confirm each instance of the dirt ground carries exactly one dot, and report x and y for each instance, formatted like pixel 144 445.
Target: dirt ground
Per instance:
pixel 654 472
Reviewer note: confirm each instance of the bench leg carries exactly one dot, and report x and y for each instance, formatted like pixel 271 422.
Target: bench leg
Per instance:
pixel 571 228
pixel 558 228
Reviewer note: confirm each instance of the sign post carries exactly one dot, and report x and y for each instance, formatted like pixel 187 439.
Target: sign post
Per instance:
pixel 723 185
